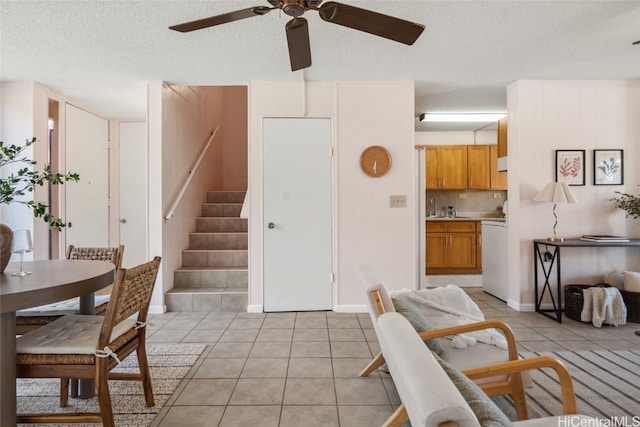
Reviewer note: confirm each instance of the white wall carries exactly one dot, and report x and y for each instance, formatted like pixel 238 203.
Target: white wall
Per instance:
pixel 545 116
pixel 181 119
pixel 23 115
pixel 366 229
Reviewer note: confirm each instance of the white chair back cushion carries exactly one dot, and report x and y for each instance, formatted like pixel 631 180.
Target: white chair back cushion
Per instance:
pixel 417 375
pixel 74 334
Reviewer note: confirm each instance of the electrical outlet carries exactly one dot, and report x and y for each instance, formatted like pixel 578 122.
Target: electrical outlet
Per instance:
pixel 398 201
pixel 462 195
pixel 497 195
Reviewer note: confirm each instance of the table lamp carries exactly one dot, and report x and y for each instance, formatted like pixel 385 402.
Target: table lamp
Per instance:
pixel 556 192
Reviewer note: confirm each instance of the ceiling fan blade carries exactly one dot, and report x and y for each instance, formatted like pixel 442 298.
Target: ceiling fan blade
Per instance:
pixel 221 19
pixel 375 23
pixel 298 41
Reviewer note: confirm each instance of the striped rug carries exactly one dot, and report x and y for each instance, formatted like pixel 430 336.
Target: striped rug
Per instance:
pixel 168 364
pixel 607 385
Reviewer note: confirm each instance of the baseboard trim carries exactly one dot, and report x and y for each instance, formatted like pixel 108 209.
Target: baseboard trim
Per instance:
pixel 521 307
pixel 351 308
pixel 157 309
pixel 254 308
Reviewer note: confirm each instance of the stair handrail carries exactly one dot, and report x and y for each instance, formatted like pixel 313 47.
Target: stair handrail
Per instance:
pixel 190 174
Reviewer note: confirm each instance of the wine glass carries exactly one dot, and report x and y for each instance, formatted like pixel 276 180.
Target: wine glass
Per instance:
pixel 21 245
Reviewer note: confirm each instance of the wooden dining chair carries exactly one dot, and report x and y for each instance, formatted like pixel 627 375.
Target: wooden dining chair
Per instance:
pixel 33 318
pixel 90 346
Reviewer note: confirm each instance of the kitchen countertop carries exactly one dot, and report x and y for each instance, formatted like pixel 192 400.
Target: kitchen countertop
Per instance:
pixel 465 218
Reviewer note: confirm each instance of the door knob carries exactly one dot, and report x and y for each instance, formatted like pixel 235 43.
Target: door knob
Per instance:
pixel 123 220
pixel 271 225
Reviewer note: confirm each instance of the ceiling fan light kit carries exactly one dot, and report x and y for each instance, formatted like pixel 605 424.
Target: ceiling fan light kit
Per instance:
pixel 297 29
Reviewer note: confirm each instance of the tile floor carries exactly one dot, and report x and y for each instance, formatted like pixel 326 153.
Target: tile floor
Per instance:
pixel 301 369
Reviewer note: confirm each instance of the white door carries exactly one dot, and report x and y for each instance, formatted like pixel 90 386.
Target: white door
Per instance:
pixel 133 193
pixel 87 201
pixel 297 214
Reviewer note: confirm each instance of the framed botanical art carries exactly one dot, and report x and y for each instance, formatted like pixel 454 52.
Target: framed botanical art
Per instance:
pixel 608 167
pixel 570 167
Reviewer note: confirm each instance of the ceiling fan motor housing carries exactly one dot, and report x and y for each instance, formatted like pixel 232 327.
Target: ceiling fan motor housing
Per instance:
pixel 295 8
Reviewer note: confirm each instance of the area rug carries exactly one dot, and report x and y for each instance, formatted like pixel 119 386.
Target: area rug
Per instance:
pixel 168 364
pixel 607 385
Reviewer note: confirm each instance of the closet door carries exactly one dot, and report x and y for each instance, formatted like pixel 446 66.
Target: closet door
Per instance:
pixel 87 201
pixel 134 193
pixel 297 215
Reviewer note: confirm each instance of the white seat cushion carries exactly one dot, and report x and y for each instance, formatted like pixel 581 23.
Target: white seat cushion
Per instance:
pixel 73 334
pixel 60 308
pixel 478 355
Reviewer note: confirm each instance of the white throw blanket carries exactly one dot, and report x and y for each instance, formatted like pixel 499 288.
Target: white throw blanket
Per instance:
pixel 603 305
pixel 451 306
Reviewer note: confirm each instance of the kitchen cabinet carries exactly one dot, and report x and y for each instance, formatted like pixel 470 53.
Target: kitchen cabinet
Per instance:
pixel 462 167
pixel 478 167
pixel 446 167
pixel 502 137
pixel 453 246
pixel 498 179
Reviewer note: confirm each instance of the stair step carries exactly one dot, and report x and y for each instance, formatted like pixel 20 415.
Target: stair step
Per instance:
pixel 203 240
pixel 215 258
pixel 221 224
pixel 211 278
pixel 214 275
pixel 201 299
pixel 225 196
pixel 221 209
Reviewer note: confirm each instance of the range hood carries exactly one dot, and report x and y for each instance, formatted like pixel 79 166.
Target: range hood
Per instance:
pixel 502 164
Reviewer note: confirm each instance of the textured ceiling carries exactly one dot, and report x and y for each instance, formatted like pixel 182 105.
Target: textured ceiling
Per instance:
pixel 102 53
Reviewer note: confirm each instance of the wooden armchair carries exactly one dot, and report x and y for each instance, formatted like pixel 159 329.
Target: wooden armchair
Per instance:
pixel 90 346
pixel 33 318
pixel 433 393
pixel 379 302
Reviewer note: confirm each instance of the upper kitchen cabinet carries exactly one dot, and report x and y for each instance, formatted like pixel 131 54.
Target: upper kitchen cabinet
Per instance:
pixel 502 144
pixel 498 178
pixel 502 137
pixel 446 167
pixel 478 167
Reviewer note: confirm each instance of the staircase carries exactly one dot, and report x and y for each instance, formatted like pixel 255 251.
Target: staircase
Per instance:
pixel 214 272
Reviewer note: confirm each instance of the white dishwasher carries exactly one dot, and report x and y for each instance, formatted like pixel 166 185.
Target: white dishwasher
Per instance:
pixel 495 258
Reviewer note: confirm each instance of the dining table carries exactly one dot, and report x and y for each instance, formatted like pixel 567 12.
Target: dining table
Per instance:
pixel 50 281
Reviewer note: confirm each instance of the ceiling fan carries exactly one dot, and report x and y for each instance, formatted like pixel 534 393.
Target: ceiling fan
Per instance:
pixel 297 29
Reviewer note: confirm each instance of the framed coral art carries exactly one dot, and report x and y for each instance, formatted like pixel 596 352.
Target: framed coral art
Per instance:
pixel 608 167
pixel 570 166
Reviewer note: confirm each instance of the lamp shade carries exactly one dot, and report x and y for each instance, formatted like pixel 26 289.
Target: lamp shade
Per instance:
pixel 556 192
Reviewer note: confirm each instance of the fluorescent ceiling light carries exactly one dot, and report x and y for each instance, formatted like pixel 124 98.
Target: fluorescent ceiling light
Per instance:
pixel 462 117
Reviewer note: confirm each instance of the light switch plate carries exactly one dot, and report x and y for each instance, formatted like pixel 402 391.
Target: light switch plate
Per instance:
pixel 398 201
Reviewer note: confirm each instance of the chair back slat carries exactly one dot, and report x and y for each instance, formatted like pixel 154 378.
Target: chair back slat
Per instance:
pixel 377 301
pixel 131 294
pixel 113 255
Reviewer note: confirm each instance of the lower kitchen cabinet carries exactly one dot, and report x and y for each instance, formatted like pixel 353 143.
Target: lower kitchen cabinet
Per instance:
pixel 453 247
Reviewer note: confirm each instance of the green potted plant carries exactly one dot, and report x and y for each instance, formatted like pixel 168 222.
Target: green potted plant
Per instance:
pixel 20 182
pixel 629 203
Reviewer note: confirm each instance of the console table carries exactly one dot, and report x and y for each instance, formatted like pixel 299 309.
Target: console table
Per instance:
pixel 547 251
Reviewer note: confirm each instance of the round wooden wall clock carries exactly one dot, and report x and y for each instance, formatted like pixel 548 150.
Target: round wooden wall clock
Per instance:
pixel 375 161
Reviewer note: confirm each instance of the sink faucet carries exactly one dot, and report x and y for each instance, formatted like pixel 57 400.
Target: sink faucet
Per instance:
pixel 434 207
